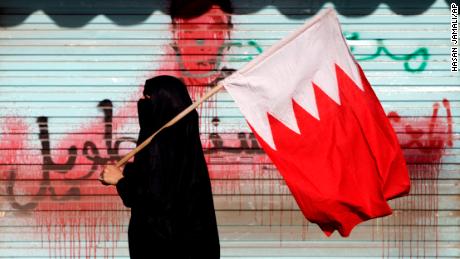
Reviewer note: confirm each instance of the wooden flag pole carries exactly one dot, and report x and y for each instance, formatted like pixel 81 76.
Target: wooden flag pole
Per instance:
pixel 179 116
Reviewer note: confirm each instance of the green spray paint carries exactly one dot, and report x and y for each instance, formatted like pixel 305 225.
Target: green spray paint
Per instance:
pixel 382 50
pixel 248 57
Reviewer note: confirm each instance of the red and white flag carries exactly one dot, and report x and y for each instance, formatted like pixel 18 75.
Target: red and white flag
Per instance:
pixel 313 111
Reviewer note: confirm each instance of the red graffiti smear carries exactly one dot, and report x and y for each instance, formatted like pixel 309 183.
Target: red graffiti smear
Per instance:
pixel 13 140
pixel 198 45
pixel 424 141
pixel 14 151
pixel 86 223
pixel 77 214
pixel 95 216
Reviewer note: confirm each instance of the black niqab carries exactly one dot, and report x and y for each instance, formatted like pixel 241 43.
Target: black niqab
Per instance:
pixel 167 186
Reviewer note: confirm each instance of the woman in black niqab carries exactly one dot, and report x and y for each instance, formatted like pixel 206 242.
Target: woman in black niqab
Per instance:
pixel 167 186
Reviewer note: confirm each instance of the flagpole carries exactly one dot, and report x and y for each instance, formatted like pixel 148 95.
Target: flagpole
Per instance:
pixel 179 116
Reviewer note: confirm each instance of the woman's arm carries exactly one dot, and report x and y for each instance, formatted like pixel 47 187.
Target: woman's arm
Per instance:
pixel 135 187
pixel 129 188
pixel 125 185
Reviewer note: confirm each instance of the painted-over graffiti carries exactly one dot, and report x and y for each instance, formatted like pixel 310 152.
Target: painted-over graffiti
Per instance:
pixel 89 151
pixel 426 137
pixel 424 141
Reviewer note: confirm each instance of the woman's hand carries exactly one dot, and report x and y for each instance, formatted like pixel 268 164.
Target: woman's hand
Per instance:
pixel 110 175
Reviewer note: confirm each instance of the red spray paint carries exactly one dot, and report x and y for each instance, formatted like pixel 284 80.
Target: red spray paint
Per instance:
pixel 424 141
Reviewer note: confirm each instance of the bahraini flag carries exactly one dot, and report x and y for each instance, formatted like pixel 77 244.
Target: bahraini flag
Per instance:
pixel 315 114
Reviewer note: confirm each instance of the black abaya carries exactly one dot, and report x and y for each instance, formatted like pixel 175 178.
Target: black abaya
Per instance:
pixel 167 186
